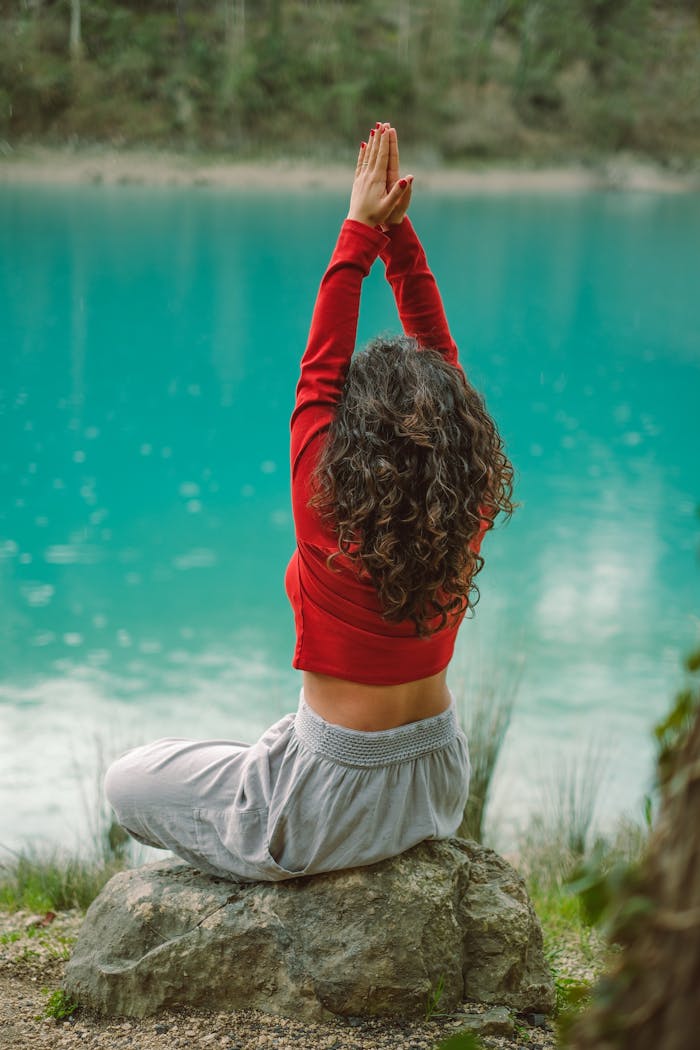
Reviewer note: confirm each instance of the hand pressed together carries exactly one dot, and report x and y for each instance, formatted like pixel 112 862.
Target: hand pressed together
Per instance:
pixel 379 197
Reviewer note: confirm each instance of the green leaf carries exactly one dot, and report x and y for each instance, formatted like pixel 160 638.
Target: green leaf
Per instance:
pixel 648 811
pixel 60 1005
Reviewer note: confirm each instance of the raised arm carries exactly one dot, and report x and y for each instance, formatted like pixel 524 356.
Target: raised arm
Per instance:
pixel 418 299
pixel 333 331
pixel 416 292
pixel 334 322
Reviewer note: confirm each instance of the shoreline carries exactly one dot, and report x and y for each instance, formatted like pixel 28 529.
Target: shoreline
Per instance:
pixel 41 165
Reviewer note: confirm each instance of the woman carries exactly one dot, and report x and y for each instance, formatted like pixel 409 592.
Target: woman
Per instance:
pixel 397 472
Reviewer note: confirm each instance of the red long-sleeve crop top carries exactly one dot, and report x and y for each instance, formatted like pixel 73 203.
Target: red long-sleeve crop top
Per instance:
pixel 340 629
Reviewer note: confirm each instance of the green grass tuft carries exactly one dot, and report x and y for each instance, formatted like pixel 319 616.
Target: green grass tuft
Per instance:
pixel 53 881
pixel 460 1041
pixel 434 996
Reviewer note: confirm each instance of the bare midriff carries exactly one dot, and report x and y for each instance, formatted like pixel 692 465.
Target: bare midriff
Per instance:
pixel 369 708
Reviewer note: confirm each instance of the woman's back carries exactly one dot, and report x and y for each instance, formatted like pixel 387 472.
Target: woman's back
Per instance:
pixel 370 708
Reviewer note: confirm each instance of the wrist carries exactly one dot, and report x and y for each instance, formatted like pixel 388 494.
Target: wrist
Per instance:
pixel 387 227
pixel 365 222
pixel 362 232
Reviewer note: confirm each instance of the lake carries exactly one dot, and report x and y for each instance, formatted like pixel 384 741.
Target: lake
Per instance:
pixel 149 351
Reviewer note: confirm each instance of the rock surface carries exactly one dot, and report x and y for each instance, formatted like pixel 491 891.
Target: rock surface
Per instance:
pixel 369 941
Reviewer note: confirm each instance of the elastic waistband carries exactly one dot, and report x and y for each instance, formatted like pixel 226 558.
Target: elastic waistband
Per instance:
pixel 352 747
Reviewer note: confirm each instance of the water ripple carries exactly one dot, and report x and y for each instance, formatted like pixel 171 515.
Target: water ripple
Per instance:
pixel 198 558
pixel 72 554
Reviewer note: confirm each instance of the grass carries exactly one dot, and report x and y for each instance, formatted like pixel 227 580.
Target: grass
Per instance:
pixel 562 919
pixel 558 843
pixel 560 836
pixel 434 996
pixel 51 879
pixel 573 798
pixel 558 839
pixel 39 881
pixel 575 948
pixel 485 711
pixel 59 945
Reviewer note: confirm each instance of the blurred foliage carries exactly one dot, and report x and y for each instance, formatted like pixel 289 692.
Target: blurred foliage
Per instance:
pixel 613 894
pixel 609 887
pixel 607 894
pixel 465 77
pixel 642 902
pixel 672 731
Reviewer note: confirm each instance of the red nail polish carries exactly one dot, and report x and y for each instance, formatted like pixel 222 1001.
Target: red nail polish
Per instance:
pixel 377 125
pixel 372 132
pixel 403 183
pixel 363 145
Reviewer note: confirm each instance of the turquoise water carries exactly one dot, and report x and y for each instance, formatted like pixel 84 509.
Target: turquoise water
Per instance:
pixel 148 354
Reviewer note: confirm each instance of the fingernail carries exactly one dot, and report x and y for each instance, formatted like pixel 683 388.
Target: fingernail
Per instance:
pixel 363 145
pixel 372 132
pixel 377 125
pixel 403 183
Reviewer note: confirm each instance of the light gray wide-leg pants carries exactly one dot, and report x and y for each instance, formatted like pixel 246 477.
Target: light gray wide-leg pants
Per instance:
pixel 308 797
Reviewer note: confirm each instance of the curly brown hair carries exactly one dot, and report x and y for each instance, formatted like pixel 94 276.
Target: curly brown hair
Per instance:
pixel 412 464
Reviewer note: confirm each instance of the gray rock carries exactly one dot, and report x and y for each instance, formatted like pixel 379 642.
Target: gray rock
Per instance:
pixel 496 1021
pixel 368 941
